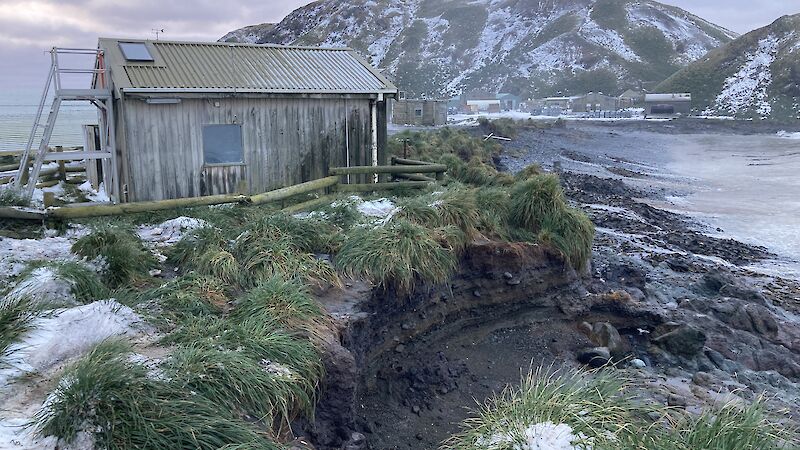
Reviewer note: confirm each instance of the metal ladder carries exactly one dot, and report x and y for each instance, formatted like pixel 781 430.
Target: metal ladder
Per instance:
pixel 100 96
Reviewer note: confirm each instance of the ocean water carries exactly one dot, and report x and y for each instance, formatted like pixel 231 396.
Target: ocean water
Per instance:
pixel 17 113
pixel 749 187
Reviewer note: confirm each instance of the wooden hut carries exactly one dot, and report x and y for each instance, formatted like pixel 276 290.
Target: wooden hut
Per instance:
pixel 205 118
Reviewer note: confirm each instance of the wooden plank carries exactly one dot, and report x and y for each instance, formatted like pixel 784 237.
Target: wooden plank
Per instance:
pixel 370 187
pixel 430 168
pixel 83 211
pixel 414 177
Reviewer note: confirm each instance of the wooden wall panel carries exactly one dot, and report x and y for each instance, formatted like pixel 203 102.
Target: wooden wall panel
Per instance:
pixel 286 141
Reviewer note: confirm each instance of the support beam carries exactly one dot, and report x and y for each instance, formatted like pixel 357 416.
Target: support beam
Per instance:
pixel 370 187
pixel 291 191
pixel 374 129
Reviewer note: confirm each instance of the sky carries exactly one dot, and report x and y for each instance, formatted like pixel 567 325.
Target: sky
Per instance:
pixel 29 27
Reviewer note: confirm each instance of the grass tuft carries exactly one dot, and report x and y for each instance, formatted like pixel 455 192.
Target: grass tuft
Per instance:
pixel 595 407
pixel 10 196
pixel 114 398
pixel 16 317
pixel 122 250
pixel 399 254
pixel 570 231
pixel 534 199
pixel 86 284
pixel 188 297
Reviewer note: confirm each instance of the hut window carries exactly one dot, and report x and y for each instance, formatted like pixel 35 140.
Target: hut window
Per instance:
pixel 135 51
pixel 222 144
pixel 418 112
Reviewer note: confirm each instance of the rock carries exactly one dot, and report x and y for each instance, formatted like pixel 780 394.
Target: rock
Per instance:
pixel 702 379
pixel 594 357
pixel 508 275
pixel 605 335
pixel 400 348
pixel 684 340
pixel 585 328
pixel 676 400
pixel 513 282
pixel 415 409
pixel 638 363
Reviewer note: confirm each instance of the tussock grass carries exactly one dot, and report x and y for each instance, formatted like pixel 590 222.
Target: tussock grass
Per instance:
pixel 269 245
pixel 263 389
pixel 534 199
pixel 570 231
pixel 188 297
pixel 399 254
pixel 86 284
pixel 122 250
pixel 731 427
pixel 538 206
pixel 9 196
pixel 107 393
pixel 258 340
pixel 286 304
pixel 602 414
pixel 595 407
pixel 16 317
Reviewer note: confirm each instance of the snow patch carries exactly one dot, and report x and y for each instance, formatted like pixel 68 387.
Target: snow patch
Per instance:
pixel 16 253
pixel 383 210
pixel 96 196
pixel 169 232
pixel 63 334
pixel 747 89
pixel 43 286
pixel 609 39
pixel 539 436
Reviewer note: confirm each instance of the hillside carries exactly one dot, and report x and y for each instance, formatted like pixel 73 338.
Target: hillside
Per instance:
pixel 755 76
pixel 534 47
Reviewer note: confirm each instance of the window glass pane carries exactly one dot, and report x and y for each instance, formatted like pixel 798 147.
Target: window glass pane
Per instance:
pixel 135 51
pixel 222 144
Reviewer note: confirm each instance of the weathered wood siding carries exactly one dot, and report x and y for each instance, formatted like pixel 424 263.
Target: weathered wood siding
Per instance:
pixel 286 141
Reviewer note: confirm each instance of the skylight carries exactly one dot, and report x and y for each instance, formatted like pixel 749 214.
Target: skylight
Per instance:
pixel 135 51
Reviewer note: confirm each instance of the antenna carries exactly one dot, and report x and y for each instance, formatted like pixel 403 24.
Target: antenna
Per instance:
pixel 157 32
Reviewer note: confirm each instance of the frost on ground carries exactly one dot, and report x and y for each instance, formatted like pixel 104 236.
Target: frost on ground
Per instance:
pixel 16 253
pixel 63 334
pixel 43 285
pixel 382 209
pixel 55 338
pixel 746 90
pixel 169 232
pixel 539 436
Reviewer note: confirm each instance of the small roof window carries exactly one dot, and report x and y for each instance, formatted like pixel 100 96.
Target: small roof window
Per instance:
pixel 135 51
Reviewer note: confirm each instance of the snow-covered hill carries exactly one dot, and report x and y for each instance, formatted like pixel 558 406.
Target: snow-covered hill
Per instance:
pixel 526 46
pixel 755 76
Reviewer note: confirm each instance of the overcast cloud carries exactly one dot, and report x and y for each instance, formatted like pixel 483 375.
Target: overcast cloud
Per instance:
pixel 29 27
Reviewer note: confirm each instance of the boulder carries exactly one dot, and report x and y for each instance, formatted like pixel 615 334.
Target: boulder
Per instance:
pixel 605 335
pixel 594 357
pixel 681 340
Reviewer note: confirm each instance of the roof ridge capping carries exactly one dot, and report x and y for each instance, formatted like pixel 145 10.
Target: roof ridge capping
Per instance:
pixel 226 44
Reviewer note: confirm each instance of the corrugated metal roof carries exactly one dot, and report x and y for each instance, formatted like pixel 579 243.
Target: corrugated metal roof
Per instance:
pixel 668 97
pixel 195 66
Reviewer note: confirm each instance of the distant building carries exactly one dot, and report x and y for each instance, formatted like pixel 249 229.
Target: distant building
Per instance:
pixel 667 105
pixel 594 101
pixel 509 102
pixel 487 106
pixel 631 98
pixel 422 112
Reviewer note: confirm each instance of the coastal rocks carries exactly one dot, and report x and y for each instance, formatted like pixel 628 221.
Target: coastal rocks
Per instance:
pixel 603 334
pixel 594 357
pixel 680 339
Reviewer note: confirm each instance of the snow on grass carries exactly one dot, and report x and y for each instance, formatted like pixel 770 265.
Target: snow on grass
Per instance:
pixel 680 31
pixel 16 253
pixel 43 285
pixel 169 232
pixel 97 196
pixel 63 334
pixel 538 436
pixel 747 89
pixel 609 39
